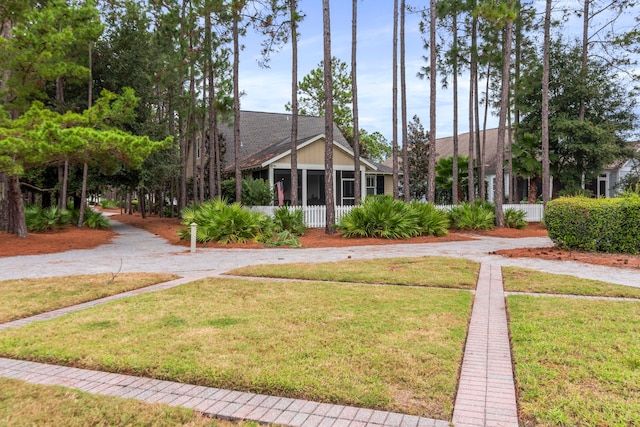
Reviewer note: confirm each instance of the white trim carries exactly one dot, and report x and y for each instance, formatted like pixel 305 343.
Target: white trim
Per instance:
pixel 310 141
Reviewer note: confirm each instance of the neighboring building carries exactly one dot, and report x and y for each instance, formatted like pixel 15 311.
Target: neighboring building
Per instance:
pixel 265 152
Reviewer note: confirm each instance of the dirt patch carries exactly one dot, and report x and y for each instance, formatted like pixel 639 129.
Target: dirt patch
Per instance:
pixel 167 228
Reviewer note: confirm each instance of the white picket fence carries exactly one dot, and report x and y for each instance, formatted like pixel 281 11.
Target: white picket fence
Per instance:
pixel 314 216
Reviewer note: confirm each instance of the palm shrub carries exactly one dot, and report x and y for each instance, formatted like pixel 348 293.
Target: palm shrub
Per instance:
pixel 431 220
pixel 477 216
pixel 93 219
pixel 515 218
pixel 44 219
pixel 109 204
pixel 289 219
pixel 380 216
pixel 224 223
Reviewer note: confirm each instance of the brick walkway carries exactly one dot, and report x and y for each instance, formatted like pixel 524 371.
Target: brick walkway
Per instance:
pixel 486 391
pixel 224 404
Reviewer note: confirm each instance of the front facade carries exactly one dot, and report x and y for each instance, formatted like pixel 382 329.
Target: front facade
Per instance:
pixel 266 154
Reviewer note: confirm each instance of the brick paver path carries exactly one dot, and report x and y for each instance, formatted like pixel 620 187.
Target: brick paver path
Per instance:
pixel 486 392
pixel 224 404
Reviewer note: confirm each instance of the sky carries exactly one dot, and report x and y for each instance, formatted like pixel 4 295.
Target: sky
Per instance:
pixel 270 89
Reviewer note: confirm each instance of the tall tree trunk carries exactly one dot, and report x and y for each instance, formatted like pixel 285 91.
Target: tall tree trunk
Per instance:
pixel 357 181
pixel 62 203
pixel 455 184
pixel 473 107
pixel 394 119
pixel 546 196
pixel 585 53
pixel 236 98
pixel 504 108
pixel 294 102
pixel 210 103
pixel 85 166
pixel 431 184
pixel 482 143
pixel 203 133
pixel 16 221
pixel 403 103
pixel 328 121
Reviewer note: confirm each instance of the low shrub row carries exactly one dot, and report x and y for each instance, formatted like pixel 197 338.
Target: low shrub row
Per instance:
pixel 222 222
pixel 382 216
pixel 45 219
pixel 596 225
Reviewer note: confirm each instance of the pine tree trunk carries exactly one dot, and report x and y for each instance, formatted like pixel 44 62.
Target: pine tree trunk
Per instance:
pixel 394 106
pixel 403 105
pixel 357 182
pixel 294 103
pixel 455 197
pixel 328 121
pixel 431 185
pixel 236 103
pixel 504 108
pixel 546 196
pixel 16 222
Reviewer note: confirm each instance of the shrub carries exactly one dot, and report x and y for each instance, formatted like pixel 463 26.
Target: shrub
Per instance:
pixel 477 216
pixel 45 219
pixel 515 218
pixel 380 216
pixel 600 225
pixel 284 238
pixel 93 219
pixel 255 192
pixel 289 219
pixel 109 204
pixel 430 220
pixel 224 223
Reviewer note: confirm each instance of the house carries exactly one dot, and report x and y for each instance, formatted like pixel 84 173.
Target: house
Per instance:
pixel 265 152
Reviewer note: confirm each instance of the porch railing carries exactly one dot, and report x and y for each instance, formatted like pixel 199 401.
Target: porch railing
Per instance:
pixel 314 216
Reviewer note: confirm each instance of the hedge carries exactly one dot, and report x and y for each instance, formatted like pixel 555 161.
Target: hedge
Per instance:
pixel 595 225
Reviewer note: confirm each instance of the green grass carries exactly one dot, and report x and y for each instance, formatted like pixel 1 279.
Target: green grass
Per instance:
pixel 28 297
pixel 525 280
pixel 23 404
pixel 426 271
pixel 577 362
pixel 386 347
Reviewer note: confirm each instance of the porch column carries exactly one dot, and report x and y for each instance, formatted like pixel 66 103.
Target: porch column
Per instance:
pixel 363 184
pixel 304 187
pixel 271 182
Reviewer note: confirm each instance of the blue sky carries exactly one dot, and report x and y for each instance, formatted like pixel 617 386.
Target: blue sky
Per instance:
pixel 270 89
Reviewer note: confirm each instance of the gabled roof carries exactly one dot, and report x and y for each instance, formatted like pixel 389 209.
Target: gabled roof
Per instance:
pixel 264 136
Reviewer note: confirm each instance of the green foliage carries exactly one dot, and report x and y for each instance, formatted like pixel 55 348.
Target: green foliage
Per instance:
pixel 39 219
pixel 284 238
pixel 477 216
pixel 289 219
pixel 380 216
pixel 93 219
pixel 431 220
pixel 255 192
pixel 418 158
pixel 515 218
pixel 600 225
pixel 51 218
pixel 109 204
pixel 221 222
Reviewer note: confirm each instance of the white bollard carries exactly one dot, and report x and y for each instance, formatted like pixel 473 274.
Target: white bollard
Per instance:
pixel 193 236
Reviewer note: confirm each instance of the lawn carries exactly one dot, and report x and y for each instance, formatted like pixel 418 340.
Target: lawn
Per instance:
pixel 28 297
pixel 23 404
pixel 386 347
pixel 426 271
pixel 577 362
pixel 525 280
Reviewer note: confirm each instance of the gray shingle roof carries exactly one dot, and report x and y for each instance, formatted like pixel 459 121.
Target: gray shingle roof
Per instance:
pixel 266 135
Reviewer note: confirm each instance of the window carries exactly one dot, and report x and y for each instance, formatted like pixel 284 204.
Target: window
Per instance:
pixel 371 185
